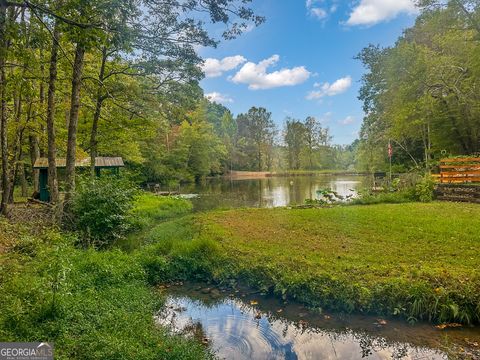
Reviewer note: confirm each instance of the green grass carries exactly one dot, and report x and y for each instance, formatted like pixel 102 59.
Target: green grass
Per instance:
pixel 148 211
pixel 418 261
pixel 91 304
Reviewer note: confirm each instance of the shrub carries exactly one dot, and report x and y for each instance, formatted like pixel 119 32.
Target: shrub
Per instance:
pixel 407 188
pixel 424 189
pixel 101 210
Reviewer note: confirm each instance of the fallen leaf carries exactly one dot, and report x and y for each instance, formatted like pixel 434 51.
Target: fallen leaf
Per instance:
pixel 381 322
pixel 449 325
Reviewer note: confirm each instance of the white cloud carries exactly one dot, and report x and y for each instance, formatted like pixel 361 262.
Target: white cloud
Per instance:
pixel 256 76
pixel 214 67
pixel 371 12
pixel 327 89
pixel 347 121
pixel 321 9
pixel 218 98
pixel 319 13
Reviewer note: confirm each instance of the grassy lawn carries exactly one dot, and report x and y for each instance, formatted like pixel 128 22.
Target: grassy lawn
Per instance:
pixel 363 243
pixel 416 260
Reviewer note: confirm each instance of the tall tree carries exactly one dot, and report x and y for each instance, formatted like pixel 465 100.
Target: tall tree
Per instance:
pixel 257 130
pixel 295 140
pixel 3 106
pixel 52 146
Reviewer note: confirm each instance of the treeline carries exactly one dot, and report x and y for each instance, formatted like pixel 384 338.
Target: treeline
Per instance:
pixel 102 77
pixel 212 141
pixel 422 94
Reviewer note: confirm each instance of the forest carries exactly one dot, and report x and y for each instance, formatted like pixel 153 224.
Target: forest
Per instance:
pixel 422 93
pixel 122 79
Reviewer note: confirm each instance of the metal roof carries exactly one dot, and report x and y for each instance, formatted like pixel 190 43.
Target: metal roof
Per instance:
pixel 101 162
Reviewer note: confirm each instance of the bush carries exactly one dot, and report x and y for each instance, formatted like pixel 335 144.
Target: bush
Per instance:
pixel 101 210
pixel 424 189
pixel 407 188
pixel 395 197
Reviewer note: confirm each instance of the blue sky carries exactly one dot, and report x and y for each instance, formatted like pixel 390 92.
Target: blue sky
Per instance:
pixel 300 62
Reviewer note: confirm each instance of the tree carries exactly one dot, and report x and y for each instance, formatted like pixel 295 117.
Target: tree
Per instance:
pixel 256 130
pixel 419 93
pixel 52 146
pixel 295 139
pixel 119 74
pixel 316 139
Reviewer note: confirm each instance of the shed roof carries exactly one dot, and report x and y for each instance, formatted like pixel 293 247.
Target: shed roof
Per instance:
pixel 100 162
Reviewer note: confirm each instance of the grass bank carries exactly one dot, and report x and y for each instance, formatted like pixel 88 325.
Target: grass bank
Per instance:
pixel 417 261
pixel 91 304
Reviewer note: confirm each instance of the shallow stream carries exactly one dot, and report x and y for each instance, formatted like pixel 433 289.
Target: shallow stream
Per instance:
pixel 250 325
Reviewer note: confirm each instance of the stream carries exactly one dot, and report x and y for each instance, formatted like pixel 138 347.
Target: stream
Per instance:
pixel 243 324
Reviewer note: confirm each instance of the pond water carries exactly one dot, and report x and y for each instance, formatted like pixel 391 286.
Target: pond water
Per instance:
pixel 246 325
pixel 269 192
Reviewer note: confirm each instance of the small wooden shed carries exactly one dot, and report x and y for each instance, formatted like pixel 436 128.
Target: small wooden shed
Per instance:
pixel 41 164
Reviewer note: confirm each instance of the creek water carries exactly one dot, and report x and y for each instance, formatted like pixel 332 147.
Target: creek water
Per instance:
pixel 268 192
pixel 249 325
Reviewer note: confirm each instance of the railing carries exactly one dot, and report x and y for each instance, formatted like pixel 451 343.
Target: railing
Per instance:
pixel 460 170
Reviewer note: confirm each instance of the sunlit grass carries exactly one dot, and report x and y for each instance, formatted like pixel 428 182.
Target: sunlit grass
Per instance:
pixel 419 260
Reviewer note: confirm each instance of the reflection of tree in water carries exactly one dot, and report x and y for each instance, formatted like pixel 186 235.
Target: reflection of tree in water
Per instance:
pixel 268 192
pixel 195 330
pixel 279 329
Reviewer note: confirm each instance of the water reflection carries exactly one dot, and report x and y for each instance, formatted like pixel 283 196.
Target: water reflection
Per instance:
pixel 269 192
pixel 236 330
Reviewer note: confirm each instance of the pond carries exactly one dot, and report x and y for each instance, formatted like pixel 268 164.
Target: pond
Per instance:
pixel 248 325
pixel 269 192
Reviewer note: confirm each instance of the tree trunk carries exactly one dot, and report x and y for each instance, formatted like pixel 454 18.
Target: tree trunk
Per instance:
pixel 17 144
pixel 3 109
pixel 73 123
pixel 34 155
pixel 23 179
pixel 96 115
pixel 41 130
pixel 52 147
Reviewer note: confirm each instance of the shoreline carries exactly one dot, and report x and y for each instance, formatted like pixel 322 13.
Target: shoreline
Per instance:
pixel 252 175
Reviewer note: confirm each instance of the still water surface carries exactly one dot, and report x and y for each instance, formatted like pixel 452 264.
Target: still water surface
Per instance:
pixel 247 325
pixel 269 192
